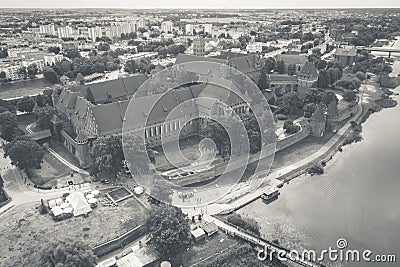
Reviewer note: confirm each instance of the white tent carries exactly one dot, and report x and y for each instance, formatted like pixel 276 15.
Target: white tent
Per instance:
pixel 52 203
pixel 138 190
pixel 59 201
pixel 64 205
pixel 78 203
pixel 68 210
pixel 56 211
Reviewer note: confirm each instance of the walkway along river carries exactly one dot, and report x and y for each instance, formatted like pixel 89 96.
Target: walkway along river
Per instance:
pixel 357 198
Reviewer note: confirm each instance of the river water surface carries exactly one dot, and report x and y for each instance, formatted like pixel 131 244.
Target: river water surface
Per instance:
pixel 358 197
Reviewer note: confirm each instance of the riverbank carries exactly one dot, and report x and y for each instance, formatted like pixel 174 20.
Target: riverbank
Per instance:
pixel 356 198
pixel 23 88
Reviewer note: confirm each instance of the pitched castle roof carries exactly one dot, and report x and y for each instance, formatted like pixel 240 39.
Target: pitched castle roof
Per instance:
pixel 292 59
pixel 332 109
pixel 319 114
pixel 245 64
pixel 309 70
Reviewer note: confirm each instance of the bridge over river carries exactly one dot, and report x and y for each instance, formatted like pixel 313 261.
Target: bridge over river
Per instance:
pixel 389 50
pixel 262 244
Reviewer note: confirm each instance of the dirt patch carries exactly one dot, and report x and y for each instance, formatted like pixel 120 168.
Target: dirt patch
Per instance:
pixel 24 231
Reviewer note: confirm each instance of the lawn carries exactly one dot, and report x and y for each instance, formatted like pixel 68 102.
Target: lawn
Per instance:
pixel 26 231
pixel 51 169
pixel 61 150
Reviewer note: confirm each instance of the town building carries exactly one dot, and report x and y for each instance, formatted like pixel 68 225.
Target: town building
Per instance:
pixel 166 26
pixel 65 32
pixel 87 112
pixel 346 55
pixel 189 29
pixel 95 32
pixel 47 29
pixel 297 60
pixel 199 47
pixel 308 75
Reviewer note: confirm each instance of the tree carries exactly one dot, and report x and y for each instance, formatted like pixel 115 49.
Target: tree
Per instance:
pixel 54 49
pixel 3 76
pixel 309 109
pixel 32 70
pixel 290 103
pixel 349 96
pixel 43 116
pixel 24 153
pixel 103 47
pixel 328 97
pixel 291 69
pixel 136 154
pixel 313 95
pixel 334 74
pixel 262 80
pixel 320 64
pixel 160 192
pixel 324 79
pixel 280 66
pixel 290 127
pixel 106 156
pixel 50 75
pixel 361 75
pixel 23 72
pixel 216 131
pixel 67 253
pixel 72 53
pixel 6 104
pixel 90 96
pixel 99 67
pixel 26 104
pixel 130 66
pixel 253 131
pixel 169 230
pixel 3 53
pixel 8 124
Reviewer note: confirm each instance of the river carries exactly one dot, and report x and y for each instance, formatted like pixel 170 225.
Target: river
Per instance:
pixel 357 198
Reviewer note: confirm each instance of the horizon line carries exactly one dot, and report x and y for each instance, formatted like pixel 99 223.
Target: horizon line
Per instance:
pixel 208 8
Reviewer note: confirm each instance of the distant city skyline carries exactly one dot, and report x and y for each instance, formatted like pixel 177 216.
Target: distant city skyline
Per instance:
pixel 224 4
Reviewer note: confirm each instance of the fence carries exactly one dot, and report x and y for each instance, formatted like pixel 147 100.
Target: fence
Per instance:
pixel 119 242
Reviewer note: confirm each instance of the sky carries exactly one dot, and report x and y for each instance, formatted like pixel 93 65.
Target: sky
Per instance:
pixel 221 4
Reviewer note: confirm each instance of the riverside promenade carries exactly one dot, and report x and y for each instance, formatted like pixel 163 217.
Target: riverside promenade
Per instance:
pixel 262 243
pixel 243 193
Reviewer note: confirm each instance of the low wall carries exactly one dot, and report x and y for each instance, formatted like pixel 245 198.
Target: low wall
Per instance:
pixel 294 138
pixel 119 242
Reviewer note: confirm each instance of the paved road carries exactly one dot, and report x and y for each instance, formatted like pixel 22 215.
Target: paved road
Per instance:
pixel 242 193
pixel 20 192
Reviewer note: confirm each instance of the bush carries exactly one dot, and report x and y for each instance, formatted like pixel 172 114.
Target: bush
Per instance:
pixel 281 117
pixel 349 96
pixel 315 169
pixel 244 223
pixel 43 209
pixel 354 137
pixel 291 128
pixel 361 75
